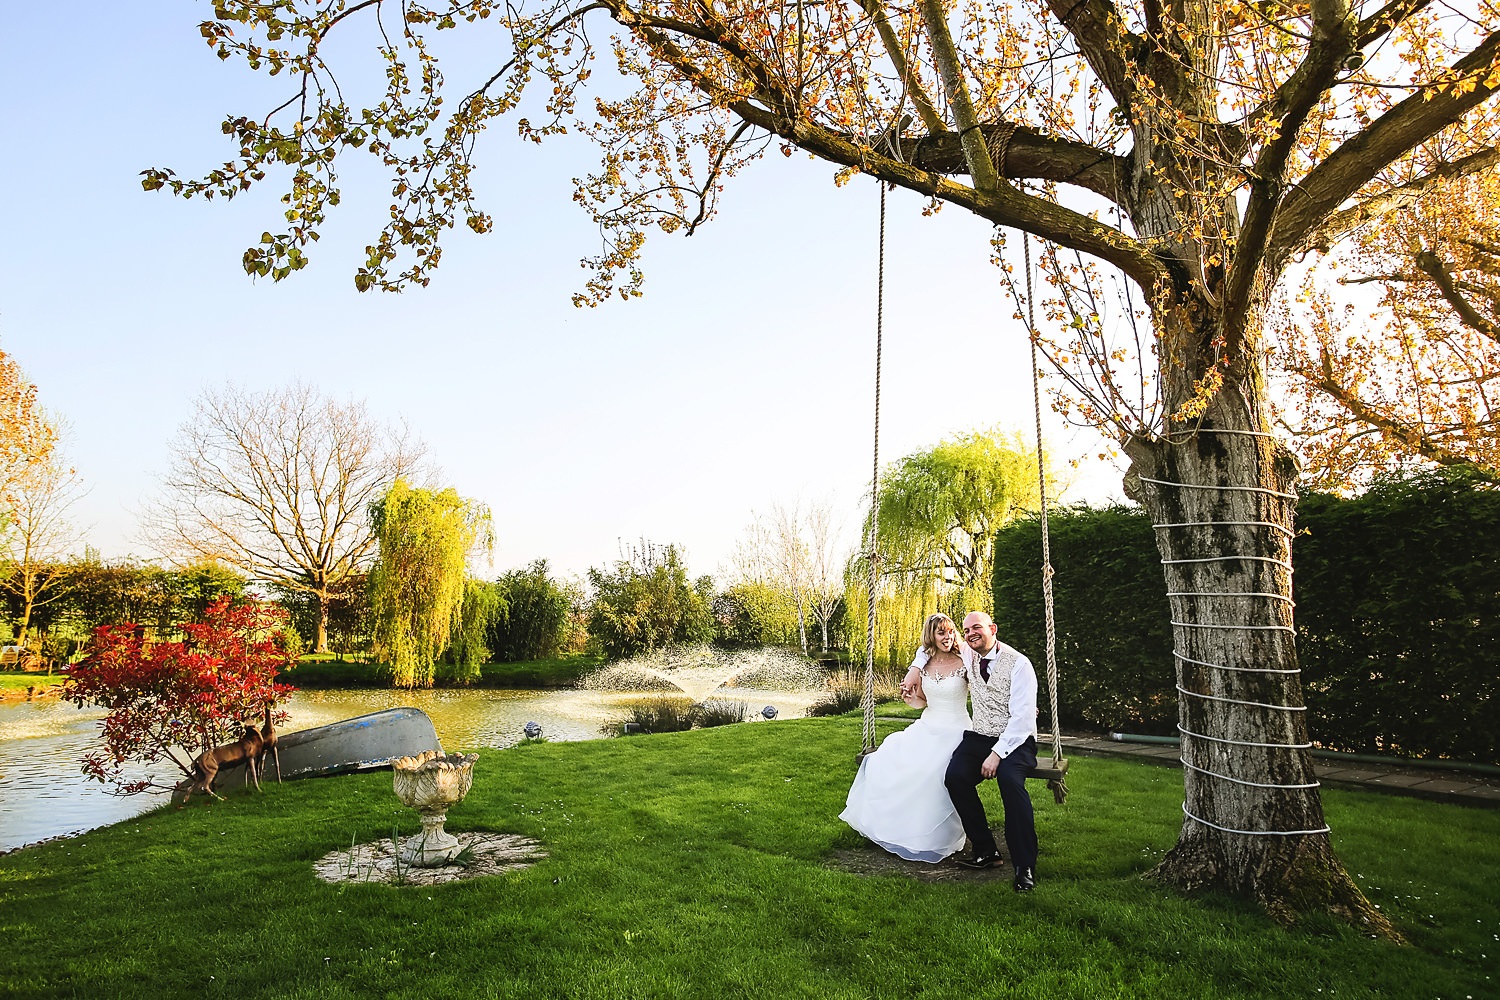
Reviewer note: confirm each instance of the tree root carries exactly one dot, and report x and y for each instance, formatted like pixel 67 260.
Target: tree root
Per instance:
pixel 1302 879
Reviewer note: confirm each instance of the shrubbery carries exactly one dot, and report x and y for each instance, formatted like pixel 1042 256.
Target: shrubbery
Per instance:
pixel 1114 643
pixel 1398 616
pixel 754 614
pixel 193 694
pixel 537 616
pixel 646 602
pixel 99 593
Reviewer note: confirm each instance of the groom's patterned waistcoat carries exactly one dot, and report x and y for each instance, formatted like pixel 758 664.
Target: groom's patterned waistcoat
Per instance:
pixel 992 697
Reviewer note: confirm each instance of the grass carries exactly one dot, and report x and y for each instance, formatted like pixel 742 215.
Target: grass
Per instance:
pixel 324 671
pixel 697 865
pixel 15 680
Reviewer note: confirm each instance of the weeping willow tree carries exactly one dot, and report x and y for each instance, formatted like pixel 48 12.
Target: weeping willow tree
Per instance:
pixel 420 579
pixel 483 603
pixel 936 514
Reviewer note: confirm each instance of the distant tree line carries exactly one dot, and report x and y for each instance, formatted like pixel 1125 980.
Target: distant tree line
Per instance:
pixel 92 592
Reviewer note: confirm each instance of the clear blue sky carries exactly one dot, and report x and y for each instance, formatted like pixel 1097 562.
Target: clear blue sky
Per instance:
pixel 743 378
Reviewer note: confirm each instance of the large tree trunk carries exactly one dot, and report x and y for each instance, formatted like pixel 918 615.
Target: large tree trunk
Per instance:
pixel 1221 493
pixel 25 618
pixel 320 645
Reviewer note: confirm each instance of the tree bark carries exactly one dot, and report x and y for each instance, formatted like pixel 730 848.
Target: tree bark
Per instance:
pixel 1221 493
pixel 320 645
pixel 801 620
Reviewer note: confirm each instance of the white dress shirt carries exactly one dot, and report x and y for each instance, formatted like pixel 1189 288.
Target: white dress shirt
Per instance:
pixel 1020 721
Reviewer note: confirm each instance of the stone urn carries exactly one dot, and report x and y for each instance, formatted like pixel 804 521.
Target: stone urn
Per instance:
pixel 430 783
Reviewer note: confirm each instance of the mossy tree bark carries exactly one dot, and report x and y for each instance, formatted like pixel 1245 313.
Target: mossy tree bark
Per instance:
pixel 1221 493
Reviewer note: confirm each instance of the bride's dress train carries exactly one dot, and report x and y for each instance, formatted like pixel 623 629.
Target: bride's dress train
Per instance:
pixel 898 799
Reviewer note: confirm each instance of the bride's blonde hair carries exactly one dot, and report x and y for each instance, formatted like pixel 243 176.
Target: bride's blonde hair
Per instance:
pixel 929 632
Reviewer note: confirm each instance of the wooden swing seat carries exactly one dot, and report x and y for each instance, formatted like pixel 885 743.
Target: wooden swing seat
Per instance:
pixel 1054 771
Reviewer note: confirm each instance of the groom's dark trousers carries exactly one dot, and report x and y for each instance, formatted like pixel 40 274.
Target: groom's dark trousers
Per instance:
pixel 963 779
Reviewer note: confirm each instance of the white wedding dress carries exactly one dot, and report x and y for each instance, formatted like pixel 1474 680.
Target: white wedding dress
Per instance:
pixel 898 799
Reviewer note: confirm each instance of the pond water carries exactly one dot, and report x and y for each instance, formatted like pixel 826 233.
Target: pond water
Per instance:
pixel 43 793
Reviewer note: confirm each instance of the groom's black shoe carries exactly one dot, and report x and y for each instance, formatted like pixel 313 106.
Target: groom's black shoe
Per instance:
pixel 982 861
pixel 1025 879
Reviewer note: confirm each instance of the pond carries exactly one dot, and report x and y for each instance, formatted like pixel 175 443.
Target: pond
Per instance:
pixel 43 793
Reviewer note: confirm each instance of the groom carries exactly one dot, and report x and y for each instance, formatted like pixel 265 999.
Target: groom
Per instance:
pixel 1002 745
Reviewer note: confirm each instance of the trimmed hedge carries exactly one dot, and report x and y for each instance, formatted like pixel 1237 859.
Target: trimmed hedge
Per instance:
pixel 1114 643
pixel 1398 616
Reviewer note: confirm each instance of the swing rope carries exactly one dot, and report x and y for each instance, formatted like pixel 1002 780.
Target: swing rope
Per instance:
pixel 1058 785
pixel 872 554
pixel 1056 774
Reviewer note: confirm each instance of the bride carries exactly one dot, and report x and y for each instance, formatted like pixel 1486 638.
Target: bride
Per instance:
pixel 898 799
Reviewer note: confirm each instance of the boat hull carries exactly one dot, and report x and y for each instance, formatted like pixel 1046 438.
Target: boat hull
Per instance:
pixel 364 743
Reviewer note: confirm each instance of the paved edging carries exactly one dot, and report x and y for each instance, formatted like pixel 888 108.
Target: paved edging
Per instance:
pixel 1441 786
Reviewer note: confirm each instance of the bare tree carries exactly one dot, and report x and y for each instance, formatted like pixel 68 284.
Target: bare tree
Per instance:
pixel 792 551
pixel 279 484
pixel 789 557
pixel 825 566
pixel 38 533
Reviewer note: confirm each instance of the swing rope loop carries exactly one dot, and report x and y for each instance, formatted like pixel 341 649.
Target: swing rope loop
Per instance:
pixel 1059 786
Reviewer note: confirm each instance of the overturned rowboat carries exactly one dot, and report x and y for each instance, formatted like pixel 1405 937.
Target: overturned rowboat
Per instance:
pixel 363 743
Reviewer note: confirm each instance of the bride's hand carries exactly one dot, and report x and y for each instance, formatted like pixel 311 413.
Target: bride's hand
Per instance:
pixel 911 689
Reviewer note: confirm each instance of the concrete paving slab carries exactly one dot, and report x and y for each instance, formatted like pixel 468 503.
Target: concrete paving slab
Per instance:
pixel 1400 780
pixel 1351 774
pixel 1443 787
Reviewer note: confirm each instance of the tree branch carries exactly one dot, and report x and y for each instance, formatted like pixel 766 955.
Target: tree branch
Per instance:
pixel 1397 199
pixel 1007 207
pixel 1029 154
pixel 1379 24
pixel 1332 43
pixel 1419 441
pixel 1432 265
pixel 1358 161
pixel 1101 36
pixel 950 68
pixel 913 86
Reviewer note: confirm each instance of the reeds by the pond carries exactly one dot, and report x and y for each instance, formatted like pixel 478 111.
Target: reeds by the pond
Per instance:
pixel 846 691
pixel 669 714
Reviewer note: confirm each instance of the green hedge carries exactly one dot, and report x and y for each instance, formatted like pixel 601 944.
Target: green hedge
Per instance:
pixel 1114 644
pixel 1398 616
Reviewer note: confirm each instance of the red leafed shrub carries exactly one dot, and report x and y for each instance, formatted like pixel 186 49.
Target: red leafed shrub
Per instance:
pixel 194 694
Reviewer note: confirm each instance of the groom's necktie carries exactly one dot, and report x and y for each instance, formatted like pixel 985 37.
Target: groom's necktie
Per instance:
pixel 984 668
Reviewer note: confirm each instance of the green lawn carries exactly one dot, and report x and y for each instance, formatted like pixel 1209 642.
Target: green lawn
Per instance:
pixel 697 865
pixel 323 671
pixel 15 680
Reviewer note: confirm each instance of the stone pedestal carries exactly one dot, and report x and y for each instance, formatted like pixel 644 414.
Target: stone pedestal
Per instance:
pixel 430 783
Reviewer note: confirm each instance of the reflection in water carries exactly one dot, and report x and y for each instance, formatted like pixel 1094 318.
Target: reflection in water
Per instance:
pixel 44 794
